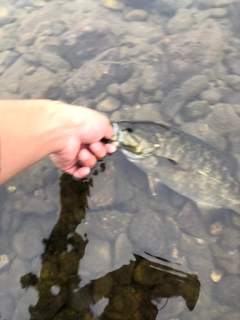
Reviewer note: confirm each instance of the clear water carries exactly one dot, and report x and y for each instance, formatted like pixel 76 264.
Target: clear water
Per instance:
pixel 106 248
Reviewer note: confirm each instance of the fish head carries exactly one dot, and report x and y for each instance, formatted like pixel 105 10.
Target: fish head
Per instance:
pixel 132 139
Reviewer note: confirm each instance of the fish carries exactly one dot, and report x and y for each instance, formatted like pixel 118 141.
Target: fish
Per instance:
pixel 182 162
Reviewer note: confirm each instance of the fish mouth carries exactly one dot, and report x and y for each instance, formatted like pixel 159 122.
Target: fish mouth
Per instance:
pixel 133 156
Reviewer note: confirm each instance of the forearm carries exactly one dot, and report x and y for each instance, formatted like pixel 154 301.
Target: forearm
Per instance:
pixel 29 130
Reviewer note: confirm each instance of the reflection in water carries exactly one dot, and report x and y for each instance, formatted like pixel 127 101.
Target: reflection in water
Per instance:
pixel 138 288
pixel 171 60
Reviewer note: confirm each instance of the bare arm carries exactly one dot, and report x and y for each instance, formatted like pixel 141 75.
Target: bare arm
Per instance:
pixel 33 129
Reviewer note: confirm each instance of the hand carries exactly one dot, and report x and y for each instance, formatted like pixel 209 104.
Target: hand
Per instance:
pixel 82 131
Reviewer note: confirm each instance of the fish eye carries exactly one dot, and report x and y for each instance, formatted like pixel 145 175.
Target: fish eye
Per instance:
pixel 129 129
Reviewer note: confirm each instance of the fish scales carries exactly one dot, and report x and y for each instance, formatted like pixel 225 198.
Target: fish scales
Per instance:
pixel 182 162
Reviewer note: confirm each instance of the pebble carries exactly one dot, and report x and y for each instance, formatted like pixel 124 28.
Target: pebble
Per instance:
pixel 211 96
pixel 195 110
pixel 181 22
pixel 233 81
pixel 108 105
pixel 14 88
pixel 112 5
pixel 4 261
pixel 31 70
pixel 136 15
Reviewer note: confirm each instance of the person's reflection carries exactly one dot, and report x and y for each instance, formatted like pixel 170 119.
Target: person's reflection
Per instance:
pixel 137 290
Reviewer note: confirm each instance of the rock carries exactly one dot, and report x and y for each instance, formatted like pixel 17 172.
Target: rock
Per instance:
pixel 114 89
pixel 147 112
pixel 85 41
pixel 128 91
pixel 211 96
pixel 181 22
pixel 108 105
pixel 6 17
pixel 44 14
pixel 7 58
pixel 42 84
pixel 187 57
pixel 170 7
pixel 228 316
pixel 189 221
pixel 136 15
pixel 30 297
pixel 28 242
pixel 147 233
pixel 232 62
pixel 112 5
pixel 51 61
pixel 195 110
pixel 230 239
pixel 149 80
pixel 194 86
pixel 223 119
pixel 218 13
pixel 228 291
pixel 233 81
pixel 172 104
pixel 234 138
pixel 94 76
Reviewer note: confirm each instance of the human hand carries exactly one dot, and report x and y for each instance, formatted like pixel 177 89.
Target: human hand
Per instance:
pixel 81 135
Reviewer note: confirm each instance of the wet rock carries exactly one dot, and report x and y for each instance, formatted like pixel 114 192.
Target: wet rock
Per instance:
pixel 52 296
pixel 194 86
pixel 170 7
pixel 51 61
pixel 218 13
pixel 233 81
pixel 108 105
pixel 234 10
pixel 97 260
pixel 129 91
pixel 136 15
pixel 172 104
pixel 28 242
pixel 147 232
pixel 195 110
pixel 230 239
pixel 228 291
pixel 147 112
pixel 181 22
pixel 103 286
pixel 189 221
pixel 7 58
pixel 41 85
pixel 93 77
pixel 50 10
pixel 234 138
pixel 228 316
pixel 232 61
pixel 228 261
pixel 85 41
pixel 211 96
pixel 4 262
pixel 112 5
pixel 187 57
pixel 149 80
pixel 114 89
pixel 223 119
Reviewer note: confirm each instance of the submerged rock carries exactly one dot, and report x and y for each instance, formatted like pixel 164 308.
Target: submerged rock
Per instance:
pixel 85 41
